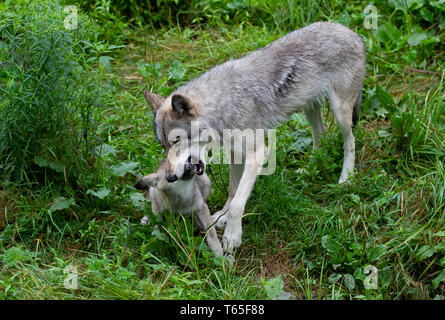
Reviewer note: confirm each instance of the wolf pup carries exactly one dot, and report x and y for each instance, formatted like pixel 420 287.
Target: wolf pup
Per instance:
pixel 187 195
pixel 261 90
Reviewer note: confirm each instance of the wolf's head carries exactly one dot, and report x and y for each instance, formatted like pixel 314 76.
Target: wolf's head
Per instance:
pixel 172 117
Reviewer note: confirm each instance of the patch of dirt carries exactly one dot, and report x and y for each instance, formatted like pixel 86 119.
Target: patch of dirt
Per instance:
pixel 421 82
pixel 270 263
pixel 278 263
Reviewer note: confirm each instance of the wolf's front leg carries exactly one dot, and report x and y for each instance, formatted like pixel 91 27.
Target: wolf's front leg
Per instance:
pixel 232 234
pixel 235 172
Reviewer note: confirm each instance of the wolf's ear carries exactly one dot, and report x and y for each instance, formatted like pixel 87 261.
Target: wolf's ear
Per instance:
pixel 154 100
pixel 182 106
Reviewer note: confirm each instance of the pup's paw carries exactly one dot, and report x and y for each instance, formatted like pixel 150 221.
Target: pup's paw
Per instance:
pixel 219 219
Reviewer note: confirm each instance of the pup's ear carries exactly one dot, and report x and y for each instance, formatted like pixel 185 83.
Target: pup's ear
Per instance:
pixel 154 100
pixel 182 106
pixel 151 180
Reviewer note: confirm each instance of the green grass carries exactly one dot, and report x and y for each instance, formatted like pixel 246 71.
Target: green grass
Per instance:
pixel 303 233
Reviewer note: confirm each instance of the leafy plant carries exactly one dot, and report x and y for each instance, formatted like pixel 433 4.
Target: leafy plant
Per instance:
pixel 273 287
pixel 99 52
pixel 47 104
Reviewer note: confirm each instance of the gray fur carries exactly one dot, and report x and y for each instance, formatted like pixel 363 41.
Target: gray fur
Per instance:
pixel 185 196
pixel 262 89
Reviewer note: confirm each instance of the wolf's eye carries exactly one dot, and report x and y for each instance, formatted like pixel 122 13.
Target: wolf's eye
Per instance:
pixel 178 138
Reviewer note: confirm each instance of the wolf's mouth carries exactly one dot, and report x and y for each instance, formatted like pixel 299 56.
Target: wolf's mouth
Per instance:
pixel 198 168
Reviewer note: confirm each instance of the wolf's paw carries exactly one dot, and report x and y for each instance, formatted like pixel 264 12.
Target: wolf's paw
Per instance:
pixel 232 237
pixel 215 245
pixel 220 218
pixel 346 177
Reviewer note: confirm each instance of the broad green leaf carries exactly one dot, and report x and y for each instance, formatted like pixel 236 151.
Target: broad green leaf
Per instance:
pixel 404 5
pixel 344 19
pixel 330 244
pixel 235 5
pixel 410 56
pixel 62 204
pixel 285 296
pixel 427 15
pixel 55 166
pixel 359 274
pixel 123 168
pixel 393 32
pixel 333 278
pixel 138 200
pixel 43 163
pixel 105 150
pixel 383 133
pixel 440 278
pixel 102 193
pixel 349 281
pixel 177 71
pixel 425 252
pixel 417 36
pixel 159 235
pixel 150 70
pixel 384 97
pixel 273 287
pixel 439 4
pixel 398 4
pixel 355 198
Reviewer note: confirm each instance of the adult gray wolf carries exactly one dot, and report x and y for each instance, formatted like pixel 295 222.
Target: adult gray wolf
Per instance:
pixel 187 196
pixel 261 90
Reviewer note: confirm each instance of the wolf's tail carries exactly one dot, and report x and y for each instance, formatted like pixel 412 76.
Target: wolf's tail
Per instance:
pixel 356 110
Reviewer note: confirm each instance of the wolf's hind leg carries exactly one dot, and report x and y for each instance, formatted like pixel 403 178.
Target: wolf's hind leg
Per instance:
pixel 342 106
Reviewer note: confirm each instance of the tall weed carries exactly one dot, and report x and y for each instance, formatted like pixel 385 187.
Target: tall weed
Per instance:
pixel 47 103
